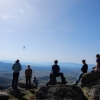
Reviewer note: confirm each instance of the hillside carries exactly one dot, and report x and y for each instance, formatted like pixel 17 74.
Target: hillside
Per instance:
pixel 89 90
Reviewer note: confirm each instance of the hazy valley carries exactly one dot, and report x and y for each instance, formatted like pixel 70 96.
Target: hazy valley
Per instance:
pixel 70 70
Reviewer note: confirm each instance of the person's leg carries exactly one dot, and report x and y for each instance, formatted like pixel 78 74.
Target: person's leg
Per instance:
pixel 29 83
pixel 80 76
pixel 62 77
pixel 16 82
pixel 13 81
pixel 26 83
pixel 50 82
pixel 53 79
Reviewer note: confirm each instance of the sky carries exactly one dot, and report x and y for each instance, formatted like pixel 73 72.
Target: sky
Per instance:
pixel 67 30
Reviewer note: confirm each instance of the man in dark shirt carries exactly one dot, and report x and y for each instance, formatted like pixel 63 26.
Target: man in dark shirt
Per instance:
pixel 28 75
pixel 55 73
pixel 84 70
pixel 97 67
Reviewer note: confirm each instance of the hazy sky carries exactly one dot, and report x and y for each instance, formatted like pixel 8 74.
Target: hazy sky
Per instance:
pixel 67 30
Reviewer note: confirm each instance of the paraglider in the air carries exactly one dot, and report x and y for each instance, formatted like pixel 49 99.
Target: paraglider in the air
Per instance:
pixel 23 47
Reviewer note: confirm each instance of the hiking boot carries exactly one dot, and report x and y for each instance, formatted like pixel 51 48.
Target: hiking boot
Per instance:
pixel 64 81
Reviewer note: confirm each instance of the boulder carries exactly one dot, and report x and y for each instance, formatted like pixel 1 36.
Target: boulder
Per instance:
pixel 4 96
pixel 94 93
pixel 60 92
pixel 89 78
pixel 22 84
pixel 18 92
pixel 91 85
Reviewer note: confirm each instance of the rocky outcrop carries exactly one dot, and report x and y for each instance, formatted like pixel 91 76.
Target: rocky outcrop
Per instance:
pixel 22 84
pixel 89 78
pixel 91 81
pixel 94 93
pixel 60 92
pixel 18 92
pixel 4 96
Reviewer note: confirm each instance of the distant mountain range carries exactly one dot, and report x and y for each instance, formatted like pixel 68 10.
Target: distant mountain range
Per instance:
pixel 62 64
pixel 40 70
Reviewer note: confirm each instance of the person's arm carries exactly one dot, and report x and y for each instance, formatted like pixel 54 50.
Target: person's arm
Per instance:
pixel 52 69
pixel 37 82
pixel 13 67
pixel 82 69
pixel 31 71
pixel 25 72
pixel 20 67
pixel 58 69
pixel 97 66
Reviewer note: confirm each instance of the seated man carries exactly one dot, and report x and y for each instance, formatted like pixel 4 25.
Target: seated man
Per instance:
pixel 50 82
pixel 84 70
pixel 97 67
pixel 55 73
pixel 35 81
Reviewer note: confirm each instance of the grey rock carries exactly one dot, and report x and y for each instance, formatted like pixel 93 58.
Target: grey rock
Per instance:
pixel 60 92
pixel 22 84
pixel 88 78
pixel 16 92
pixel 4 96
pixel 91 81
pixel 94 93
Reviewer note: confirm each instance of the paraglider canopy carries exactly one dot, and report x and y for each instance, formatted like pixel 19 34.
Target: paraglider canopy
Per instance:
pixel 23 47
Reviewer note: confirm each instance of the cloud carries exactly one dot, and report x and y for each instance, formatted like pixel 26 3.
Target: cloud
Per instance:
pixel 6 17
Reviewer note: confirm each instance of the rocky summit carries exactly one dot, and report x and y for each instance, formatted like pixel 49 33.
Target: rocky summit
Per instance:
pixel 91 85
pixel 60 92
pixel 18 92
pixel 89 90
pixel 22 84
pixel 89 78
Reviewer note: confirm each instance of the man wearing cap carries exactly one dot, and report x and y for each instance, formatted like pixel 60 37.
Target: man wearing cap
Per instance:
pixel 28 75
pixel 17 68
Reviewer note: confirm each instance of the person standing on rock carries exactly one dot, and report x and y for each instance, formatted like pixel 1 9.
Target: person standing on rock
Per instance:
pixel 28 75
pixel 55 73
pixel 84 69
pixel 17 68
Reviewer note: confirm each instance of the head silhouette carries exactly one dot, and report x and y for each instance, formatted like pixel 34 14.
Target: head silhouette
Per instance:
pixel 28 66
pixel 17 61
pixel 55 61
pixel 83 61
pixel 34 77
pixel 97 55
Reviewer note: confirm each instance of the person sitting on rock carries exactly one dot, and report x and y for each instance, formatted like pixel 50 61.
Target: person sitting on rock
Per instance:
pixel 97 67
pixel 28 75
pixel 55 73
pixel 17 68
pixel 50 82
pixel 35 81
pixel 84 69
